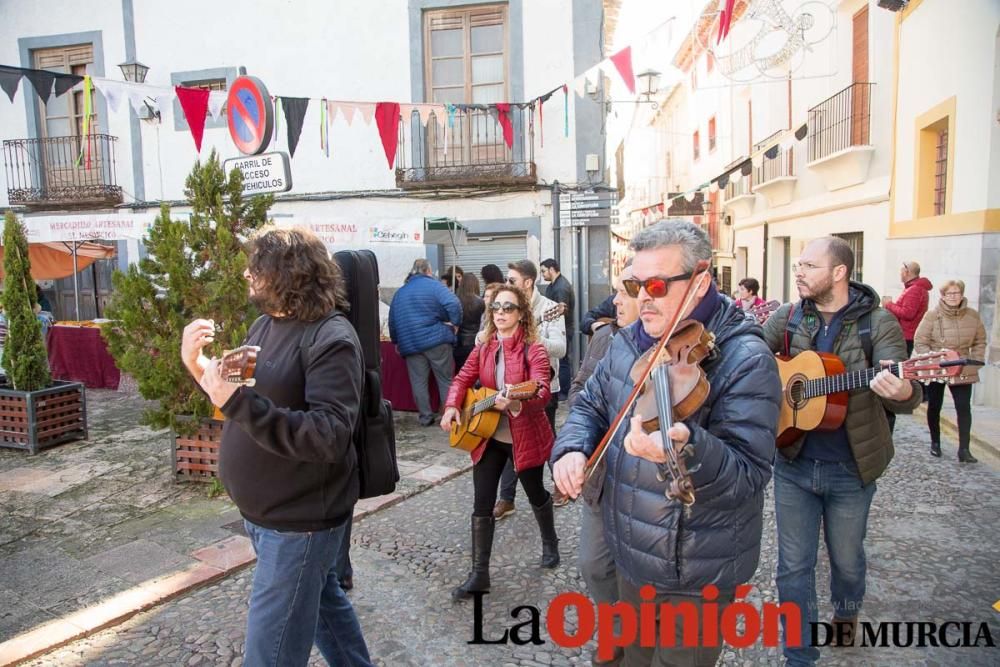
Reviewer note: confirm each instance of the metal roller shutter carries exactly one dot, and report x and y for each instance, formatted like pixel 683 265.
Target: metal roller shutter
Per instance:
pixel 483 249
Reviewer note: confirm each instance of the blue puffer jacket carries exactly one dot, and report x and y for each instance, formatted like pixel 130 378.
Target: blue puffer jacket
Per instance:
pixel 421 315
pixel 650 537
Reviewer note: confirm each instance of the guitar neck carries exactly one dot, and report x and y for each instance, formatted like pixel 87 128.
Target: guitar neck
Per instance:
pixel 485 404
pixel 833 384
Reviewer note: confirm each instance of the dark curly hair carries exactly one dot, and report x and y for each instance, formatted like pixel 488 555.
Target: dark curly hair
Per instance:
pixel 293 275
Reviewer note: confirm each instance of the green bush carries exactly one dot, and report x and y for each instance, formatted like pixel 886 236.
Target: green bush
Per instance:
pixel 194 269
pixel 24 358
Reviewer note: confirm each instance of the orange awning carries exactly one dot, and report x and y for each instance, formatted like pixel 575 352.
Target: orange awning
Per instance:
pixel 50 261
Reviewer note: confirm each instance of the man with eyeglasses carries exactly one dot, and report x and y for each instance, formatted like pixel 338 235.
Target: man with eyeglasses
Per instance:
pixel 829 478
pixel 552 335
pixel 654 539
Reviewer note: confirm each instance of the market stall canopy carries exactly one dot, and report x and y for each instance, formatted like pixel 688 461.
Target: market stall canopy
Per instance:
pixel 51 261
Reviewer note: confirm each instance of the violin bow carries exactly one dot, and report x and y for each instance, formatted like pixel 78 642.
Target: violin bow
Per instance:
pixel 694 283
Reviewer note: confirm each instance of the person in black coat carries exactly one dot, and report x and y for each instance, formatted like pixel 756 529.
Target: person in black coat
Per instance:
pixel 473 308
pixel 561 291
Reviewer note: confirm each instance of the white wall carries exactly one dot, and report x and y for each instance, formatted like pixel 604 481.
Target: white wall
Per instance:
pixel 945 53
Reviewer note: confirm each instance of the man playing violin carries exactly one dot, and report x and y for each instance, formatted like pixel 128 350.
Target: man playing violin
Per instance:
pixel 829 476
pixel 728 442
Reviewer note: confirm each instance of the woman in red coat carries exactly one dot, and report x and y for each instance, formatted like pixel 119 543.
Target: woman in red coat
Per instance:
pixel 510 354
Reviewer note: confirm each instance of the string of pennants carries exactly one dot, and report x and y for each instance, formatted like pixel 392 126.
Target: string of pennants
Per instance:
pixel 196 104
pixel 733 174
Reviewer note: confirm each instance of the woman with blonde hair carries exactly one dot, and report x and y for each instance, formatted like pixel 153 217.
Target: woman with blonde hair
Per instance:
pixel 510 353
pixel 952 326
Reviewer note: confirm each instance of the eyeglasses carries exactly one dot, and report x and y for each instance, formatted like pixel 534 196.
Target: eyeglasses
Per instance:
pixel 512 281
pixel 953 294
pixel 806 266
pixel 655 287
pixel 506 306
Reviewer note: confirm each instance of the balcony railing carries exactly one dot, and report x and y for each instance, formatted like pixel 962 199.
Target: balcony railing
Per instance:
pixel 841 121
pixel 736 189
pixel 44 172
pixel 771 168
pixel 471 152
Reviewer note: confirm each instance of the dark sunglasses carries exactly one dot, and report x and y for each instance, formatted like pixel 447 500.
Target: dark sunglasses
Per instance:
pixel 506 307
pixel 512 281
pixel 655 287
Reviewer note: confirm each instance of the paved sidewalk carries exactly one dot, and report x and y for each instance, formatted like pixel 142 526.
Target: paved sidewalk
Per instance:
pixel 94 532
pixel 985 427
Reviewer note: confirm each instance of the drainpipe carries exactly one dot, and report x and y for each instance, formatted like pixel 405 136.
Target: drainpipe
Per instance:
pixel 555 221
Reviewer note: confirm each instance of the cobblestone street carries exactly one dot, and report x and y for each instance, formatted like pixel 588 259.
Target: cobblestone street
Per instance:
pixel 932 547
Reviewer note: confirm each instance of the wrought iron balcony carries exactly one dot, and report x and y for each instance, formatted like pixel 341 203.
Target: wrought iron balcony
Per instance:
pixel 841 121
pixel 470 152
pixel 772 168
pixel 50 172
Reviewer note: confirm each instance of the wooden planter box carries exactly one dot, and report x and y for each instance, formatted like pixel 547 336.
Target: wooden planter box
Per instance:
pixel 34 420
pixel 196 457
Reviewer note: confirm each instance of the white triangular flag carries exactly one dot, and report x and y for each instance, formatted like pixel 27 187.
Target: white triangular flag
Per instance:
pixel 787 141
pixel 113 91
pixel 735 176
pixel 713 186
pixel 217 100
pixel 425 111
pixel 406 111
pixel 367 112
pixel 689 196
pixel 348 110
pixel 580 85
pixel 757 159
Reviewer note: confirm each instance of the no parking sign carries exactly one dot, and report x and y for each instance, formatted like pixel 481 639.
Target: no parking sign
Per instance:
pixel 250 114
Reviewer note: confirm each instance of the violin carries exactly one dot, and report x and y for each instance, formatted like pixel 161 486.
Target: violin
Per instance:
pixel 653 375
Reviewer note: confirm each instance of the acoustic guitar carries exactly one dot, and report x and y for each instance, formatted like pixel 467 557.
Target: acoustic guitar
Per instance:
pixel 238 366
pixel 478 420
pixel 764 310
pixel 815 387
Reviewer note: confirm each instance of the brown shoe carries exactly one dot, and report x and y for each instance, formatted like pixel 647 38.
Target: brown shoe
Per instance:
pixel 846 628
pixel 502 508
pixel 559 498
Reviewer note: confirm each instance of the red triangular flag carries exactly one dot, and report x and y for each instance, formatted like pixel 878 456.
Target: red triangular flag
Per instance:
pixel 387 120
pixel 503 116
pixel 194 102
pixel 623 62
pixel 725 20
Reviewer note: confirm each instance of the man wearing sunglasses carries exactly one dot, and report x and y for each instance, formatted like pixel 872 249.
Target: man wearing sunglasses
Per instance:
pixel 653 539
pixel 552 335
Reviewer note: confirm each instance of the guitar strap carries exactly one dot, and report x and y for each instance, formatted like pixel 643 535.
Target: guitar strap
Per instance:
pixel 864 331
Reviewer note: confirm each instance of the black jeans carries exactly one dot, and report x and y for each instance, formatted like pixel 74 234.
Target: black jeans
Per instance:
pixel 962 395
pixel 486 477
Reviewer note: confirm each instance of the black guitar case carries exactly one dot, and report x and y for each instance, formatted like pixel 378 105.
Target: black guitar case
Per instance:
pixel 375 437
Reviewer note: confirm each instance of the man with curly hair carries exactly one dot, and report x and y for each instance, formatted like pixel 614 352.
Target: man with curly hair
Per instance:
pixel 287 457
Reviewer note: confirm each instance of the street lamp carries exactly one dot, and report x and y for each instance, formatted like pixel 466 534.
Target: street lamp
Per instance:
pixel 651 82
pixel 134 71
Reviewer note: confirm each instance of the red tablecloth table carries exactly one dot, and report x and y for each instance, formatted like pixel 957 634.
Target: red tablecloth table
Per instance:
pixel 396 381
pixel 80 354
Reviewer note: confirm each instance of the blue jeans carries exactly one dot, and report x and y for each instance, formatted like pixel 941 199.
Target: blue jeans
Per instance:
pixel 343 565
pixel 296 600
pixel 807 492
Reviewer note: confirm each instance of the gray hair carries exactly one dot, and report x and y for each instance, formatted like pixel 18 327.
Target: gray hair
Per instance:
pixel 691 238
pixel 421 266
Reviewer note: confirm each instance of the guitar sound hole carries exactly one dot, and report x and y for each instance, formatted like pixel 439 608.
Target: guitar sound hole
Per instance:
pixel 796 391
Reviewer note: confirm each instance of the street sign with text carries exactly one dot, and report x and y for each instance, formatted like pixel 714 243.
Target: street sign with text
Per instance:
pixel 268 172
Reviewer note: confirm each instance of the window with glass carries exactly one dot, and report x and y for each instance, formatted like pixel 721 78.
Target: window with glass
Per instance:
pixel 465 55
pixel 940 171
pixel 711 134
pixel 696 144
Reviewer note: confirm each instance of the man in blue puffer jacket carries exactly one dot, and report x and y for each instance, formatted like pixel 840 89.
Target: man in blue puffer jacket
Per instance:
pixel 653 539
pixel 423 319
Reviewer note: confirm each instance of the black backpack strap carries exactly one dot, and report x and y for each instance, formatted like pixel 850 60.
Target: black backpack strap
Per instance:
pixel 794 320
pixel 865 331
pixel 309 337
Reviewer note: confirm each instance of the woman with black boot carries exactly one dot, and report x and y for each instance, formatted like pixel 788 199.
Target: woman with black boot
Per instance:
pixel 952 326
pixel 510 354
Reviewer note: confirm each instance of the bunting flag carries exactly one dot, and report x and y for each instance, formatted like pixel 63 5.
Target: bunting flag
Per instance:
pixel 623 62
pixel 277 118
pixel 425 111
pixel 194 103
pixel 65 82
pixel 503 113
pixel 10 78
pixel 367 112
pixel 324 126
pixel 88 107
pixel 725 21
pixel 800 133
pixel 771 152
pixel 541 121
pixel 216 101
pixel 746 168
pixel 113 92
pixel 41 80
pixel 295 115
pixel 387 119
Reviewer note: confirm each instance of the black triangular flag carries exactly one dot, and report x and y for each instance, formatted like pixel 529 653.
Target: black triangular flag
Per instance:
pixel 42 82
pixel 771 152
pixel 800 133
pixel 295 114
pixel 723 181
pixel 66 81
pixel 746 167
pixel 10 77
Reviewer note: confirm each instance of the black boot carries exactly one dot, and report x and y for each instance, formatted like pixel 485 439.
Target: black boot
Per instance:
pixel 936 449
pixel 965 456
pixel 482 547
pixel 550 541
